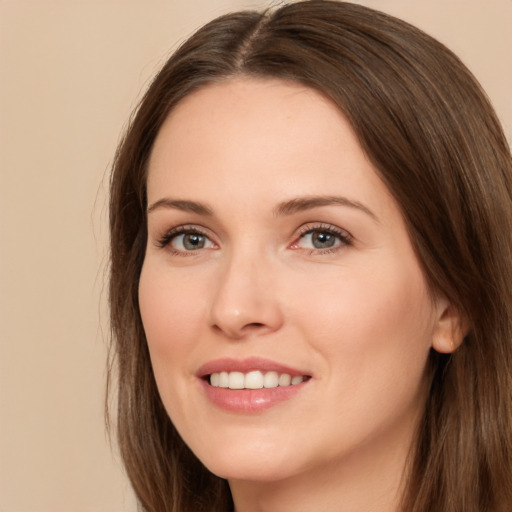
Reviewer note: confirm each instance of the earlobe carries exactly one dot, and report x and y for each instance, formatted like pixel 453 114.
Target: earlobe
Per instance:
pixel 450 329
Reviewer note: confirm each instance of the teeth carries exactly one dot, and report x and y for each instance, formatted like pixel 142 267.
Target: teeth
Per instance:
pixel 214 379
pixel 285 379
pixel 271 380
pixel 253 380
pixel 236 380
pixel 224 380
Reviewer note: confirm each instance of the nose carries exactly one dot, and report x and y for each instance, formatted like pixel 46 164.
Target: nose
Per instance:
pixel 246 300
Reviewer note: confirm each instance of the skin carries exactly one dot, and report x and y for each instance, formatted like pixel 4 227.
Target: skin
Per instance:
pixel 358 318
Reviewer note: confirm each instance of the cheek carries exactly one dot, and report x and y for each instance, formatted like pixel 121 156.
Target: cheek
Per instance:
pixel 371 333
pixel 366 315
pixel 170 309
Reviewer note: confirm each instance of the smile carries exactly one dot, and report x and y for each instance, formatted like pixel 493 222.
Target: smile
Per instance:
pixel 254 379
pixel 251 385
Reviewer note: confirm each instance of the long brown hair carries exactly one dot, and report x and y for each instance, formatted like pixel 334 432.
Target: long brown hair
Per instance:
pixel 433 137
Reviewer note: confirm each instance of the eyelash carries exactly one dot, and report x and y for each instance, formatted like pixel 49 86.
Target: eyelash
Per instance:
pixel 343 236
pixel 164 242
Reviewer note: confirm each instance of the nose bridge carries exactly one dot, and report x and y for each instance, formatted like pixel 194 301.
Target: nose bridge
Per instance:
pixel 245 300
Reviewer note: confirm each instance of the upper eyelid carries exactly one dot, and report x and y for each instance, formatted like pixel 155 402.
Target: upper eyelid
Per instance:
pixel 186 228
pixel 297 233
pixel 322 226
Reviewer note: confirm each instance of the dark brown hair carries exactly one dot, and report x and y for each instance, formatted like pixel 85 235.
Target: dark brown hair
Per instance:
pixel 433 137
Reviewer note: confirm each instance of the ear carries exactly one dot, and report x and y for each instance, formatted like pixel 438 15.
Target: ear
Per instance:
pixel 450 328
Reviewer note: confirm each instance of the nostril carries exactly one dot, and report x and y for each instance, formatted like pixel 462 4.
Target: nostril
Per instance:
pixel 254 325
pixel 245 330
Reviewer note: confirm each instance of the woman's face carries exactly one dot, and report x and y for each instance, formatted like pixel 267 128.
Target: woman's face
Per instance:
pixel 276 255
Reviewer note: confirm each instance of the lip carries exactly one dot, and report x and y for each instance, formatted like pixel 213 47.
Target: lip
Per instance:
pixel 246 365
pixel 248 401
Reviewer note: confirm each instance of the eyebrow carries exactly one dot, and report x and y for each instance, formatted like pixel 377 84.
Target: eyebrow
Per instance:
pixel 181 204
pixel 300 204
pixel 285 208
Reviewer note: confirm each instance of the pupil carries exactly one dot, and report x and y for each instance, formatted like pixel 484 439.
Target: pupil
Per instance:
pixel 323 240
pixel 193 241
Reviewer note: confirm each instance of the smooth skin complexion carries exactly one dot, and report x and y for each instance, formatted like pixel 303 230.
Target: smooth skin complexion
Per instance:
pixel 271 236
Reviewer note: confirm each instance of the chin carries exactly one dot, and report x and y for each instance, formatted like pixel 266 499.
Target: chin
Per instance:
pixel 251 470
pixel 248 459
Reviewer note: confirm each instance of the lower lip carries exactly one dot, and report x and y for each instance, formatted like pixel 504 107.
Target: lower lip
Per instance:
pixel 250 400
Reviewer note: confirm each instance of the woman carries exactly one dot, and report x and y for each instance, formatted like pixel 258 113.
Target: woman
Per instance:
pixel 311 266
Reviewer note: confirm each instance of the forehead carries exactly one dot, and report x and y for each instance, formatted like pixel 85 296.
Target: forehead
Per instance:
pixel 245 95
pixel 245 110
pixel 276 138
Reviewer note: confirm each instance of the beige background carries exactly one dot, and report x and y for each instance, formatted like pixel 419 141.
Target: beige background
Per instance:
pixel 70 73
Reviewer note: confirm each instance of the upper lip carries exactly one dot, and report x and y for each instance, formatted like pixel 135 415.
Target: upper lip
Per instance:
pixel 246 365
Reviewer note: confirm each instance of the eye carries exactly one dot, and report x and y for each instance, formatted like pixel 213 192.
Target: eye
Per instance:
pixel 190 242
pixel 322 239
pixel 183 240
